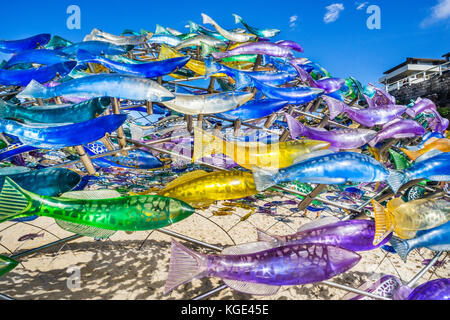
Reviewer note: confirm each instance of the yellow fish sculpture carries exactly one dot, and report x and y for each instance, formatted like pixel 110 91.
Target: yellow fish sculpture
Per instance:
pixel 249 154
pixel 200 188
pixel 433 144
pixel 406 218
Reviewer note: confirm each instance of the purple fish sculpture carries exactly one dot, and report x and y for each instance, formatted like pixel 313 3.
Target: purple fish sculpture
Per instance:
pixel 259 269
pixel 354 235
pixel 345 139
pixel 387 286
pixel 438 124
pixel 381 97
pixel 290 44
pixel 420 106
pixel 438 289
pixel 367 117
pixel 260 47
pixel 399 129
pixel 329 85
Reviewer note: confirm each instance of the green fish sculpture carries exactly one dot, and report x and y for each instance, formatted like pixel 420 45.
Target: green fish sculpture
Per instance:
pixel 133 213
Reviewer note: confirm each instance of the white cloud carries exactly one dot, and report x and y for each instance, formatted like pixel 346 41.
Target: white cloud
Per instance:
pixel 361 6
pixel 293 21
pixel 333 12
pixel 439 12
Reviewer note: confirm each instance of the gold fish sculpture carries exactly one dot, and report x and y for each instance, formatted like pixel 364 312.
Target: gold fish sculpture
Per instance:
pixel 249 154
pixel 433 144
pixel 406 218
pixel 200 188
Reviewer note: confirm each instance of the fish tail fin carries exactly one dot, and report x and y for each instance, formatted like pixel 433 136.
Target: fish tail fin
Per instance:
pixel 413 155
pixel 242 80
pixel 206 144
pixel 396 179
pixel 206 50
pixel 193 27
pixel 401 247
pixel 264 178
pixel 264 236
pixel 185 265
pixel 14 201
pixel 335 107
pixel 372 143
pixel 296 128
pixel 7 264
pixel 211 67
pixel 382 223
pixel 207 19
pixel 237 18
pixel 35 90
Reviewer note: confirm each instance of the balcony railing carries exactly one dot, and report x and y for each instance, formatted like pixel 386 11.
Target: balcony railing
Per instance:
pixel 418 77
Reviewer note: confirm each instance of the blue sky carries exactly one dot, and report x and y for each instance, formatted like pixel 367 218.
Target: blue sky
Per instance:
pixel 343 45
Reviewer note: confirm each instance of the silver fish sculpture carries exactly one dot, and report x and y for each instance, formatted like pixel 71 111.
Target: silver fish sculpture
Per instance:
pixel 232 36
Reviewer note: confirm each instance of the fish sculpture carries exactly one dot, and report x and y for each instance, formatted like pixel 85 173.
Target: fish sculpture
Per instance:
pixel 293 46
pixel 232 36
pixel 112 85
pixel 387 286
pixel 198 40
pixel 249 154
pixel 31 236
pixel 436 239
pixel 438 289
pixel 146 70
pixel 398 129
pixel 96 47
pixel 7 264
pixel 329 85
pixel 167 39
pixel 293 95
pixel 196 28
pixel 436 168
pixel 57 42
pixel 406 218
pixel 98 35
pixel 260 47
pixel 80 112
pixel 207 103
pixel 400 161
pixel 41 74
pixel 133 213
pixel 200 188
pixel 42 56
pixel 14 150
pixel 59 136
pixel 243 78
pixel 45 182
pixel 135 159
pixel 367 117
pixel 334 168
pixel 261 33
pixel 420 106
pixel 354 235
pixel 13 46
pixel 257 268
pixel 345 139
pixel 254 109
pixel 442 145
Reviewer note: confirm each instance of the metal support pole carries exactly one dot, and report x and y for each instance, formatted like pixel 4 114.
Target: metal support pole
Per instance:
pixel 46 246
pixel 120 132
pixel 149 106
pixel 413 281
pixel 190 126
pixel 310 197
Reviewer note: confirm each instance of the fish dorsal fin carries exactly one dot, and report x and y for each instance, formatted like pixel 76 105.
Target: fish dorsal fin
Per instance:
pixel 7 264
pixel 394 204
pixel 247 248
pixel 318 223
pixel 185 178
pixel 7 171
pixel 312 155
pixel 83 230
pixel 249 287
pixel 430 154
pixel 91 194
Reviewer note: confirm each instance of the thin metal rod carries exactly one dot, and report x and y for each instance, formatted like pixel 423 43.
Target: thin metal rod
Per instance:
pixel 413 281
pixel 5 297
pixel 189 239
pixel 347 288
pixel 209 293
pixel 48 245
